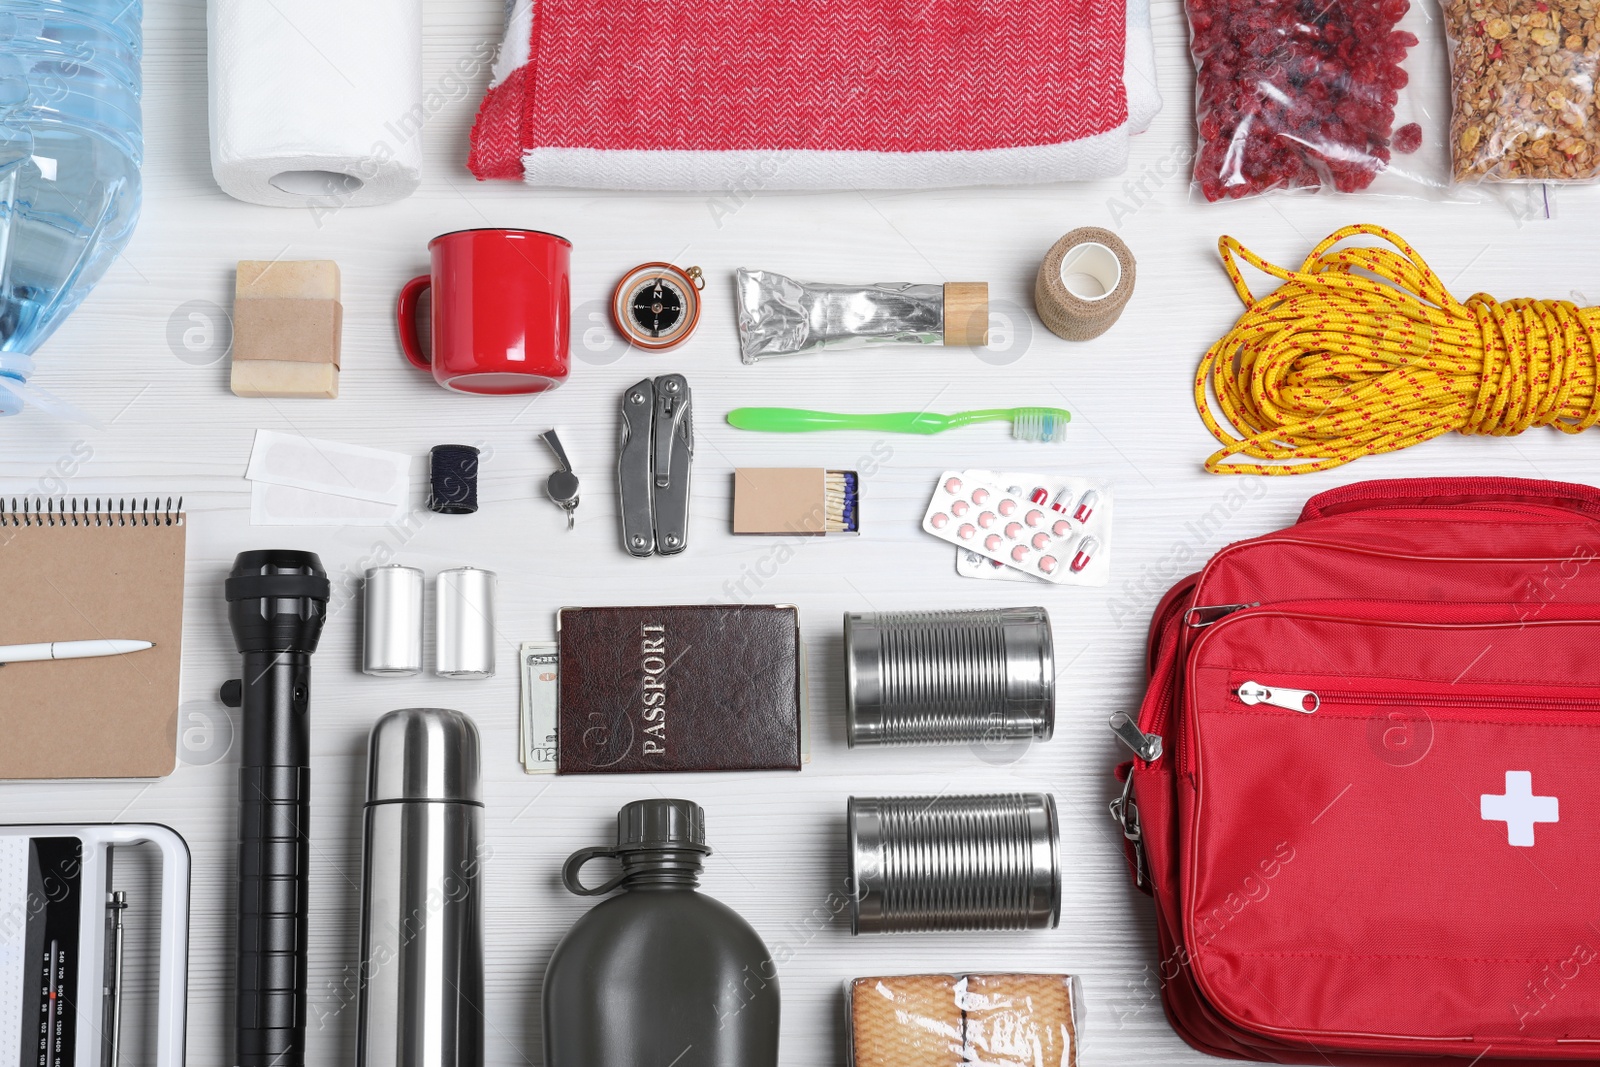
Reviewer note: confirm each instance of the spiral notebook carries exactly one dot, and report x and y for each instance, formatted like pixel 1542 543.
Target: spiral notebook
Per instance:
pixel 77 570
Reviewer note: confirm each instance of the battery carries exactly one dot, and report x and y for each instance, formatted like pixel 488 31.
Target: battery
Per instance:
pixel 464 609
pixel 392 629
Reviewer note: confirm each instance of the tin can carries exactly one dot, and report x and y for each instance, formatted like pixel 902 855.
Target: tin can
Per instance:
pixel 954 863
pixel 942 677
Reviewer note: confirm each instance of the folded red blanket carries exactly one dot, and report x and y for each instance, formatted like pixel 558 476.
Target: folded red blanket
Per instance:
pixel 810 76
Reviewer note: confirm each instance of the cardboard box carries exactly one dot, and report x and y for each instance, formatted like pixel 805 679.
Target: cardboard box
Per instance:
pixel 287 321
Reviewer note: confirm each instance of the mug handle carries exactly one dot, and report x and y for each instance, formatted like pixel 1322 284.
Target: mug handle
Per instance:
pixel 405 313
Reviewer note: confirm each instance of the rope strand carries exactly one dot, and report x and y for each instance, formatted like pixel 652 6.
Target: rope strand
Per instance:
pixel 1334 364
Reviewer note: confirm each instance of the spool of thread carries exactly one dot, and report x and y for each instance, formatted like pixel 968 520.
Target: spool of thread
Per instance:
pixel 453 479
pixel 954 863
pixel 1084 283
pixel 942 677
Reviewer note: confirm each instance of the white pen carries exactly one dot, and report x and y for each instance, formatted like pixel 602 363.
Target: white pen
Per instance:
pixel 69 650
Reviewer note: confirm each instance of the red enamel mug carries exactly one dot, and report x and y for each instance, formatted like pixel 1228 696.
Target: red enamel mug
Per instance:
pixel 501 309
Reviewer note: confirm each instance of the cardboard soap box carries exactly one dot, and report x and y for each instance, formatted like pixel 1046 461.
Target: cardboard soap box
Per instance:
pixel 286 324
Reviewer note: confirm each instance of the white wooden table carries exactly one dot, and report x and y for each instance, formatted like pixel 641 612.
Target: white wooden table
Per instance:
pixel 172 428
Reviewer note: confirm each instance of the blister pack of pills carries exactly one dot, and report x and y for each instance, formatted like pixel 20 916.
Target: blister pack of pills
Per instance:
pixel 1024 527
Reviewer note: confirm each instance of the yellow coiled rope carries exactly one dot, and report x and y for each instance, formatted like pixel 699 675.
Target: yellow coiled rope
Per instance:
pixel 1334 365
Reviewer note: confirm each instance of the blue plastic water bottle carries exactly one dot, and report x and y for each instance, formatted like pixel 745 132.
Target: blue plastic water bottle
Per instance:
pixel 70 148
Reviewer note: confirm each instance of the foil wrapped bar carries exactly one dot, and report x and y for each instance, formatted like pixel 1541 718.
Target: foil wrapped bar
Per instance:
pixel 779 316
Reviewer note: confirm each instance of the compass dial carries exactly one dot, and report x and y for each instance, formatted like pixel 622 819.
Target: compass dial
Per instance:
pixel 656 305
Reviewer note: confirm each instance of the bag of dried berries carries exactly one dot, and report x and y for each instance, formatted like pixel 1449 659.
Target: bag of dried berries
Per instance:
pixel 1523 77
pixel 1315 95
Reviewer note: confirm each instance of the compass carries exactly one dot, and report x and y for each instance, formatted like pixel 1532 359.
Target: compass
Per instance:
pixel 657 305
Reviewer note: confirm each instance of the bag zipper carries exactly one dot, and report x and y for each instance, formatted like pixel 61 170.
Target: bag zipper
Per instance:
pixel 1199 618
pixel 1180 747
pixel 1148 745
pixel 1218 612
pixel 1304 701
pixel 1307 701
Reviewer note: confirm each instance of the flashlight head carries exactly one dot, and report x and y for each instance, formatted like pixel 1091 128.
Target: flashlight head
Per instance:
pixel 277 600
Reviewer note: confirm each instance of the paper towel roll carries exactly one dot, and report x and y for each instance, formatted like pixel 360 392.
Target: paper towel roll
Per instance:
pixel 316 103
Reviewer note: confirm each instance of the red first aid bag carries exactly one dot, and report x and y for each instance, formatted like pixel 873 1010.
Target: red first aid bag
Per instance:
pixel 1367 792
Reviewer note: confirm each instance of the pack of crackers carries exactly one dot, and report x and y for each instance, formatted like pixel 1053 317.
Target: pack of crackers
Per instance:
pixel 946 1020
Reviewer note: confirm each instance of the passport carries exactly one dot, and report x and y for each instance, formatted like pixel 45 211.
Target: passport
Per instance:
pixel 697 687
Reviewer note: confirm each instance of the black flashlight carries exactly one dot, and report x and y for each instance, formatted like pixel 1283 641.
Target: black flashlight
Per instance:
pixel 277 601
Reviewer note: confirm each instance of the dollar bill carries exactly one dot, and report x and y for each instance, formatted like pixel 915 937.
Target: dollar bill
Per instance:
pixel 539 704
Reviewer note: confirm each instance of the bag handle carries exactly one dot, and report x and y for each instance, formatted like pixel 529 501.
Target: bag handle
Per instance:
pixel 1446 492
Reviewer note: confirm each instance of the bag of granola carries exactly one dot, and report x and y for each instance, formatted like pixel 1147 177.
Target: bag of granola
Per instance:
pixel 1522 81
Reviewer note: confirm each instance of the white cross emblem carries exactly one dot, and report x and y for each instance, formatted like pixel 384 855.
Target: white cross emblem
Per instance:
pixel 1518 808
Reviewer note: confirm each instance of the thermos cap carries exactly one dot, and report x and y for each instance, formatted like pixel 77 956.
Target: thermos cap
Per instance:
pixel 660 823
pixel 423 754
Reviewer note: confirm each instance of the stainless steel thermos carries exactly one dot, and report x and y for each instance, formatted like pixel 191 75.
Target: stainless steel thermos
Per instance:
pixel 421 971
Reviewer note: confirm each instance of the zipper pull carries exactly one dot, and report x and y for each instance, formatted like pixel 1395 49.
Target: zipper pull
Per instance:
pixel 1146 746
pixel 1126 815
pixel 1293 699
pixel 1206 614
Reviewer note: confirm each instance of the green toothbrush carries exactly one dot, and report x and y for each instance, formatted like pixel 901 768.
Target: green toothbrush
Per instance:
pixel 1027 424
